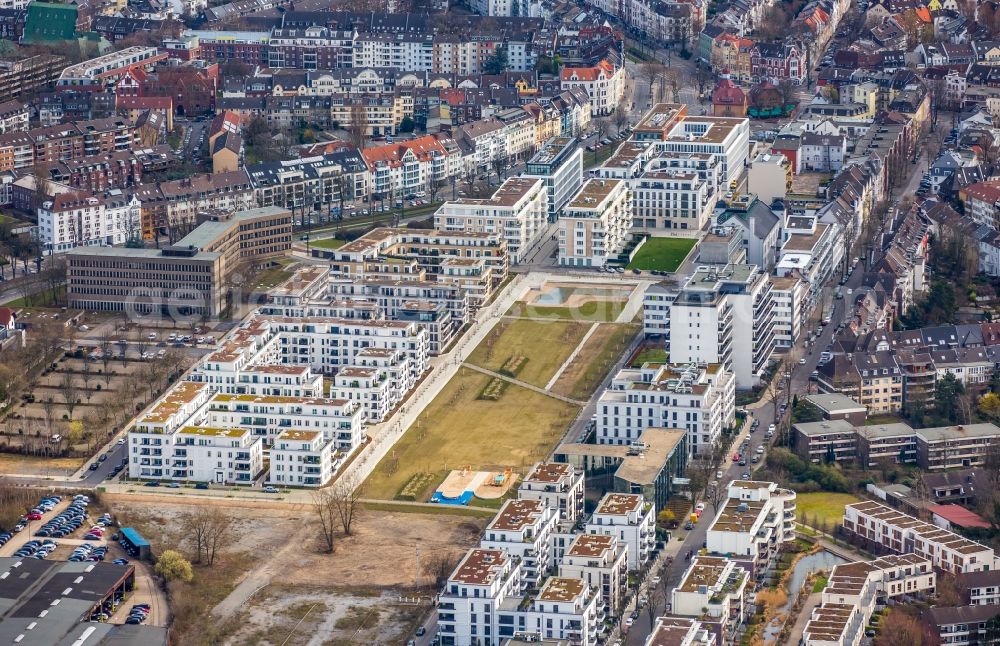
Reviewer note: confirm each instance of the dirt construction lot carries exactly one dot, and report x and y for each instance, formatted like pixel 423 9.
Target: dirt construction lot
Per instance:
pixel 276 576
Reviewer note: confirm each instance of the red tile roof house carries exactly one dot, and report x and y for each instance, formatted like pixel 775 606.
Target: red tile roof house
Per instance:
pixel 728 100
pixel 955 517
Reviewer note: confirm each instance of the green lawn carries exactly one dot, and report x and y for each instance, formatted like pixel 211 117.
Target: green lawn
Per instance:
pixel 539 346
pixel 327 243
pixel 603 153
pixel 650 354
pixel 270 278
pixel 822 507
pixel 458 429
pixel 662 254
pixel 42 298
pixel 582 377
pixel 597 310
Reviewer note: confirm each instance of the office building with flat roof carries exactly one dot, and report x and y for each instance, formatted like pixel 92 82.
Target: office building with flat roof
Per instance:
pixel 559 164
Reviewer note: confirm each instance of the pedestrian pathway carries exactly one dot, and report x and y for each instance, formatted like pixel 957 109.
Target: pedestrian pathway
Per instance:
pixel 524 384
pixel 572 355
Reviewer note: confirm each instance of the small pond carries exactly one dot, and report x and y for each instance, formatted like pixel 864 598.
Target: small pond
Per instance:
pixel 560 295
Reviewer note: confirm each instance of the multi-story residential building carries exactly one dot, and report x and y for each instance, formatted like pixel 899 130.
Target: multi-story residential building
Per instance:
pixel 725 316
pixel 604 83
pixel 752 523
pixel 889 531
pixel 852 591
pixel 602 562
pixel 826 442
pixel 594 224
pixel 522 529
pixel 759 227
pixel 789 293
pixel 980 588
pixel 656 308
pixel 565 609
pixel 195 453
pixel 676 132
pixel 22 75
pixel 471 606
pixel 559 164
pixel 401 169
pixel 872 379
pixel 777 62
pixel 71 220
pixel 769 177
pixel 189 277
pixel 679 631
pixel 715 590
pixel 307 185
pixel 76 140
pixel 953 447
pixel 961 625
pixel 517 210
pixel 699 399
pixel 813 251
pixel 558 485
pixel 671 199
pixel 302 459
pixel 105 69
pixel 269 415
pixel 630 519
pixel 13 117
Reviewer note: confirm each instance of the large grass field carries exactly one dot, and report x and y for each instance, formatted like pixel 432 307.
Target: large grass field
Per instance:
pixel 582 377
pixel 662 254
pixel 601 310
pixel 458 429
pixel 822 507
pixel 540 346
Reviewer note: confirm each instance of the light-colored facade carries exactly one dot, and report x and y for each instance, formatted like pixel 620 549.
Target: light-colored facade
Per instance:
pixel 699 399
pixel 671 199
pixel 630 519
pixel 558 485
pixel 769 177
pixel 301 459
pixel 594 225
pixel 715 590
pixel 602 562
pixel 752 523
pixel 604 83
pixel 876 524
pixel 522 529
pixel 518 209
pixel 80 220
pixel 559 164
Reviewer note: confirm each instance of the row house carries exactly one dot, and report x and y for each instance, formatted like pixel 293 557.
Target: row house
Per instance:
pixel 76 140
pixel 888 531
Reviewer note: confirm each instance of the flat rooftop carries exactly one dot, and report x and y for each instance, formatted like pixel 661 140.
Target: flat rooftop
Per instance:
pixel 517 514
pixel 593 193
pixel 661 116
pixel 627 154
pixel 835 403
pixel 176 398
pixel 675 631
pixel 557 588
pixel 618 504
pixel 549 472
pixel 213 431
pixel 513 190
pixel 738 515
pixel 480 567
pixel 926 531
pixel 279 399
pixel 825 427
pixel 704 571
pixel 591 545
pixel 635 467
pixel 298 436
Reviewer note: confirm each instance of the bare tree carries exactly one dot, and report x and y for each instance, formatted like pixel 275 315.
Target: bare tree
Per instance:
pixel 716 495
pixel 87 376
pixel 14 502
pixel 139 337
pixel 620 117
pixel 440 566
pixel 69 392
pixel 347 500
pixel 326 516
pixel 48 407
pixel 656 602
pixel 358 128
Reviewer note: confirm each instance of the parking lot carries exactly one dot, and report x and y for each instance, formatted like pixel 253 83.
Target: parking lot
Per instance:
pixel 73 546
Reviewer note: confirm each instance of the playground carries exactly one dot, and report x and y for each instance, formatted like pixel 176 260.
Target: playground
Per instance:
pixel 460 486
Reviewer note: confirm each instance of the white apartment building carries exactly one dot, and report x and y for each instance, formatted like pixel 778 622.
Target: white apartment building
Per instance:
pixel 789 293
pixel 594 225
pixel 558 485
pixel 522 528
pixel 754 520
pixel 697 398
pixel 813 251
pixel 565 609
pixel 469 607
pixel 301 459
pixel 378 380
pixel 725 316
pixel 899 533
pixel 983 587
pixel 630 519
pixel 851 593
pixel 675 131
pixel 96 70
pixel 404 51
pixel 78 220
pixel 517 209
pixel 559 165
pixel 715 590
pixel 656 302
pixel 604 83
pixel 679 631
pixel 13 115
pixel 197 454
pixel 269 416
pixel 671 199
pixel 602 562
